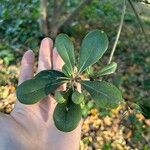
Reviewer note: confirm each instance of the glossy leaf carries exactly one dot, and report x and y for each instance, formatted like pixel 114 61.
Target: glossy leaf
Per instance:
pixel 105 94
pixel 65 49
pixel 45 82
pixel 59 97
pixel 77 97
pixel 66 118
pixel 108 69
pixel 92 49
pixel 50 74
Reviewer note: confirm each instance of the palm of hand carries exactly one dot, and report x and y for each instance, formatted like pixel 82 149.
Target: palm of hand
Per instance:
pixel 32 126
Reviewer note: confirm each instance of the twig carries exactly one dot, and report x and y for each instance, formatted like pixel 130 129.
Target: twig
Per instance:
pixel 61 7
pixel 138 18
pixel 57 11
pixel 119 31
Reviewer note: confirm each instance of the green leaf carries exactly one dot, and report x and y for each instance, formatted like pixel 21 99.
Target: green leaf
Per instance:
pixel 145 110
pixel 59 97
pixel 108 69
pixel 77 97
pixel 44 83
pixel 89 70
pixel 66 118
pixel 105 94
pixel 65 49
pixel 66 70
pixel 144 105
pixel 92 49
pixel 48 74
pixel 146 84
pixel 145 102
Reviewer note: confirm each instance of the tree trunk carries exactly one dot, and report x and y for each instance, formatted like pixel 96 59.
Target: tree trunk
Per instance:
pixel 56 25
pixel 44 17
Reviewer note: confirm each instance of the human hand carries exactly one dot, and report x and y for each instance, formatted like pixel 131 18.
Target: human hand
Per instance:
pixel 31 126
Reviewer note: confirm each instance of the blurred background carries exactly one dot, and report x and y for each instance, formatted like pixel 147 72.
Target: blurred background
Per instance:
pixel 23 24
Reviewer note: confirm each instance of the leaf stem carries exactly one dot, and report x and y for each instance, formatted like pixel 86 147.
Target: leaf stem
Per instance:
pixel 119 31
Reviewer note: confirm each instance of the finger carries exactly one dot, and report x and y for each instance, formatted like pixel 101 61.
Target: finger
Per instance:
pixel 27 65
pixel 45 54
pixel 45 59
pixel 57 61
pixel 26 72
pixel 57 65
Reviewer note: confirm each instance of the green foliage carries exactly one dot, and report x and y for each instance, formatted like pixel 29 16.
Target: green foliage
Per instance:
pixel 86 106
pixel 45 82
pixel 67 116
pixel 105 94
pixel 7 56
pixel 146 84
pixel 66 51
pixel 92 49
pixel 66 71
pixel 144 107
pixel 16 27
pixel 107 146
pixel 89 70
pixel 67 113
pixel 146 147
pixel 137 127
pixel 108 69
pixel 145 110
pixel 59 97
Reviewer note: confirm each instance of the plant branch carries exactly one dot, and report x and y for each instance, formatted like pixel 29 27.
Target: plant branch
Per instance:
pixel 55 11
pixel 58 8
pixel 74 13
pixel 138 18
pixel 61 7
pixel 119 31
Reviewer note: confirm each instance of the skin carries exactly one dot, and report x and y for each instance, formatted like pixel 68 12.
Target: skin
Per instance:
pixel 31 127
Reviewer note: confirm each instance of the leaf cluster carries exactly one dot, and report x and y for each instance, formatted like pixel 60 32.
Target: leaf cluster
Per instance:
pixel 67 113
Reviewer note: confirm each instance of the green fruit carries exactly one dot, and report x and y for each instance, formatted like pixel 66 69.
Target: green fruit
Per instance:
pixel 66 118
pixel 59 97
pixel 77 97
